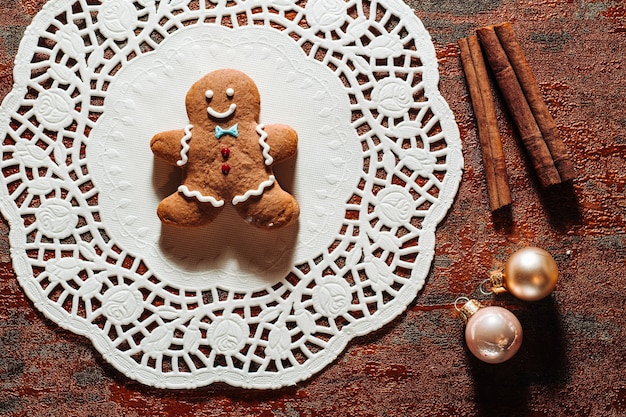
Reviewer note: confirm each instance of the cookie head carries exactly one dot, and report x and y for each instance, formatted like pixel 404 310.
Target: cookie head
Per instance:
pixel 223 95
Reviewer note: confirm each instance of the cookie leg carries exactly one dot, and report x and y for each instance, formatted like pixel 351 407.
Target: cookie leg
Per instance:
pixel 178 210
pixel 273 209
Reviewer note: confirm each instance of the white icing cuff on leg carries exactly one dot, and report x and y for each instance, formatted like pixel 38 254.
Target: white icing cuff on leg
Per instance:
pixel 241 198
pixel 201 198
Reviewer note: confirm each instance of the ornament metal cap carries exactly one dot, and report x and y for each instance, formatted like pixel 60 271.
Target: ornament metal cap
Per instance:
pixel 470 307
pixel 496 282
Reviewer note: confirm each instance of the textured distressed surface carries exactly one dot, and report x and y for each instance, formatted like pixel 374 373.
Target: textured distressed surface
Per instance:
pixel 573 350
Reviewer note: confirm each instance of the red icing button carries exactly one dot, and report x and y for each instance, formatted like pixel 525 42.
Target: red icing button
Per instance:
pixel 225 153
pixel 225 169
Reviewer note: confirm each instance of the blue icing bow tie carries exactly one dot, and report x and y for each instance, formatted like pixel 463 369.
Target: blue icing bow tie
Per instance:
pixel 232 131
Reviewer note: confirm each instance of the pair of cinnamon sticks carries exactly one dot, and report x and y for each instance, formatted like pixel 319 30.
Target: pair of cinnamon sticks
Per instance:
pixel 520 91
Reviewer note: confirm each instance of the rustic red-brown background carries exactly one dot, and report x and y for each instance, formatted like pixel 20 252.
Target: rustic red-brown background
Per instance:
pixel 572 358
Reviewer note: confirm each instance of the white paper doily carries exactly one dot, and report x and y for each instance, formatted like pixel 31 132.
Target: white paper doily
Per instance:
pixel 378 166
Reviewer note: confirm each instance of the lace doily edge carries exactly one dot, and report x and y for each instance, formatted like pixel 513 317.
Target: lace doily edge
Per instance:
pixel 204 377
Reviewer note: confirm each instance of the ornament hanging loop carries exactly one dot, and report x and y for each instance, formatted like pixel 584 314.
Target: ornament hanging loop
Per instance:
pixel 458 301
pixel 485 287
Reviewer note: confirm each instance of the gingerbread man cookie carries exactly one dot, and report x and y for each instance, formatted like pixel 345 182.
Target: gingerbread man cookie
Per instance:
pixel 226 156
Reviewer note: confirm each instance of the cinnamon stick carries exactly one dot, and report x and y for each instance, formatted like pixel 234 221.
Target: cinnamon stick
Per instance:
pixel 485 113
pixel 521 113
pixel 530 86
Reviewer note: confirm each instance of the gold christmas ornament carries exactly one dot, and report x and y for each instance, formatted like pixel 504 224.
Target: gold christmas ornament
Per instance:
pixel 530 274
pixel 493 334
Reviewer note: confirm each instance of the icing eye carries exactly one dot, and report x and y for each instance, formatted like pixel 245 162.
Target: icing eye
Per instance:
pixel 230 92
pixel 209 94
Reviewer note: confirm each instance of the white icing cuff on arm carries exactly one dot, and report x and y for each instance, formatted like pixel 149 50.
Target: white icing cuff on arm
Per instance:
pixel 266 148
pixel 184 142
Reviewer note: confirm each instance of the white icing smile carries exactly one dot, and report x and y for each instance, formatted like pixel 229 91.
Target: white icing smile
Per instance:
pixel 222 115
pixel 230 92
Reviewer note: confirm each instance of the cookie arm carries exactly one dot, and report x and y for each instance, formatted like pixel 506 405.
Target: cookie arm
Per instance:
pixel 282 140
pixel 167 145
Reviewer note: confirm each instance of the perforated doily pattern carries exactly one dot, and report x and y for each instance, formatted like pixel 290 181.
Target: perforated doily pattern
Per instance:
pixel 378 167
